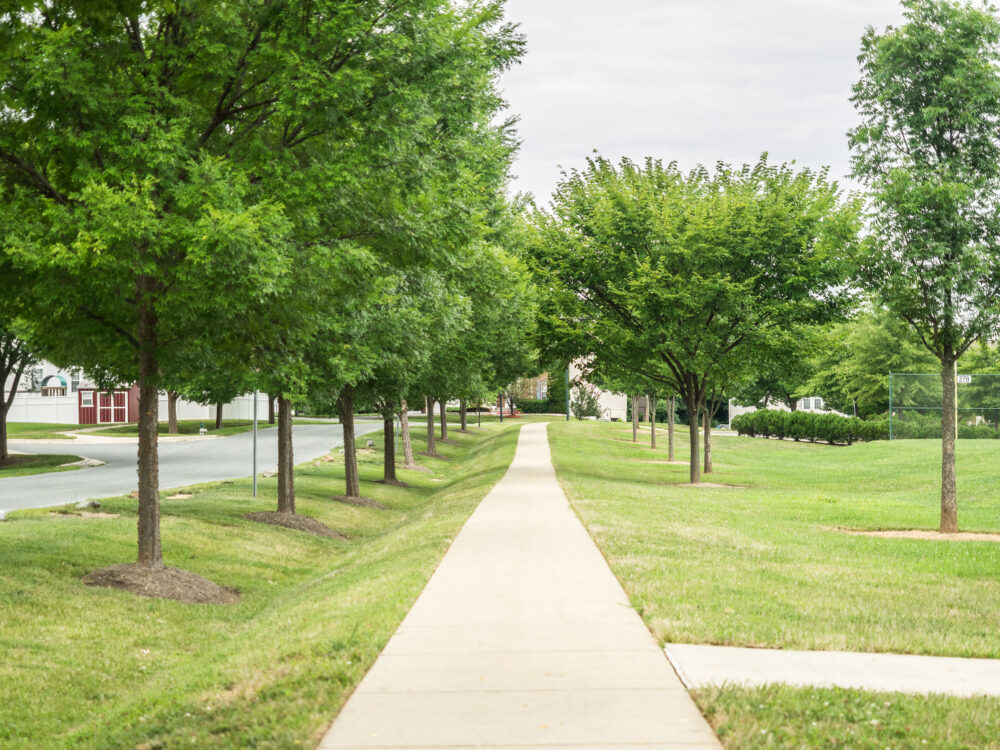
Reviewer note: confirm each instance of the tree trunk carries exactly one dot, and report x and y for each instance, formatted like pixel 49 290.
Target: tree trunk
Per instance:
pixel 286 471
pixel 404 422
pixel 345 407
pixel 708 441
pixel 389 449
pixel 462 415
pixel 150 550
pixel 949 426
pixel 670 429
pixel 172 397
pixel 429 406
pixel 645 408
pixel 652 423
pixel 694 442
pixel 4 453
pixel 218 416
pixel 6 400
pixel 792 404
pixel 270 408
pixel 444 421
pixel 635 420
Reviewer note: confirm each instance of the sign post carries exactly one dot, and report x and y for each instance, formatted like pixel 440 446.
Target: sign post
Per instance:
pixel 255 443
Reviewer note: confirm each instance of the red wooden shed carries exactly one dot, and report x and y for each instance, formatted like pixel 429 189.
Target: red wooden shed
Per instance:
pixel 108 407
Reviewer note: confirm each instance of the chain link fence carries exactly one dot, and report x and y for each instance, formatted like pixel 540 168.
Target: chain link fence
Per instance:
pixel 915 406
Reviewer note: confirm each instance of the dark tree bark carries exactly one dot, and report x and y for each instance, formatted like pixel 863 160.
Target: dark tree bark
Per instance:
pixel 693 407
pixel 404 421
pixel 462 415
pixel 949 426
pixel 270 408
pixel 286 462
pixel 706 417
pixel 389 452
pixel 148 465
pixel 5 403
pixel 429 407
pixel 345 407
pixel 635 420
pixel 218 416
pixel 172 397
pixel 444 420
pixel 670 429
pixel 652 422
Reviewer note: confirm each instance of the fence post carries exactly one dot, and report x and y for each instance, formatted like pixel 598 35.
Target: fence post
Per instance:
pixel 890 406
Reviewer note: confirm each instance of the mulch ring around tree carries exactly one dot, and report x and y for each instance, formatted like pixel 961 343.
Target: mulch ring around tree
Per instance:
pixel 295 522
pixel 162 583
pixel 363 502
pixel 436 455
pixel 393 483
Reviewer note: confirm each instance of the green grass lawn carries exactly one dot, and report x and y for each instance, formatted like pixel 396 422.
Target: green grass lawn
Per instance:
pixel 39 431
pixel 22 466
pixel 96 668
pixel 778 716
pixel 763 565
pixel 191 427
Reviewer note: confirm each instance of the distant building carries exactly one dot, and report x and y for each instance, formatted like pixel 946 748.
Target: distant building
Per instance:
pixel 611 405
pixel 810 404
pixel 50 395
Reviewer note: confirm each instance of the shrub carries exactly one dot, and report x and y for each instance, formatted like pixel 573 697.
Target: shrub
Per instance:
pixel 827 428
pixel 533 405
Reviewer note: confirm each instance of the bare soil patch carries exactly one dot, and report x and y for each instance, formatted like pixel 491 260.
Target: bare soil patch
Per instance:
pixel 713 484
pixel 180 496
pixel 162 583
pixel 436 455
pixel 85 514
pixel 932 536
pixel 362 502
pixel 393 483
pixel 295 522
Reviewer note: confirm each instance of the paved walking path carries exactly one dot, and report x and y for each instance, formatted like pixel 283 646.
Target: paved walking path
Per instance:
pixel 522 638
pixel 904 673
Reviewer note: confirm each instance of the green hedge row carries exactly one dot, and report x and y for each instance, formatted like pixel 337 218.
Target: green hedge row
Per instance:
pixel 913 425
pixel 535 406
pixel 803 425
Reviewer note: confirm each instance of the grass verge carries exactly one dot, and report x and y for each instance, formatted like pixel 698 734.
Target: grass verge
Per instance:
pixel 764 564
pixel 191 427
pixel 39 431
pixel 22 466
pixel 96 668
pixel 779 716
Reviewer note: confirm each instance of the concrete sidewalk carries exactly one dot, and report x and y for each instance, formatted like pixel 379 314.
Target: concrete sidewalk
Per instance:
pixel 700 666
pixel 522 637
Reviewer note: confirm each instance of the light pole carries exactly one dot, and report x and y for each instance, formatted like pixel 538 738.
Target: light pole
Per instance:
pixel 255 443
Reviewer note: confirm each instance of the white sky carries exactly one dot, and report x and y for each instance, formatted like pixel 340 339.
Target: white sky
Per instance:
pixel 686 80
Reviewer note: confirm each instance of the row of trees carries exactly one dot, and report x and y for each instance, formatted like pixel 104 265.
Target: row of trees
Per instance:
pixel 305 198
pixel 711 282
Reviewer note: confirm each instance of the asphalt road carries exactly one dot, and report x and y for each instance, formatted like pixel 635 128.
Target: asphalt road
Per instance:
pixel 181 464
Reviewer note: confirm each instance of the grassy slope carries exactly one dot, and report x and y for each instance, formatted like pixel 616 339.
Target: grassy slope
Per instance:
pixel 22 466
pixel 758 566
pixel 96 668
pixel 38 431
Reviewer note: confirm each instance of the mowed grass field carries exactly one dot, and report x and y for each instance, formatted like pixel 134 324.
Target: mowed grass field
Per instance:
pixel 96 668
pixel 764 564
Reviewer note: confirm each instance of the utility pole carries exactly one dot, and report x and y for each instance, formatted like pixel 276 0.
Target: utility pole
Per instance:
pixel 567 393
pixel 255 443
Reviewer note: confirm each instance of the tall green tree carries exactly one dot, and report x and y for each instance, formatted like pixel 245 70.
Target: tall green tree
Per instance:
pixel 928 147
pixel 678 277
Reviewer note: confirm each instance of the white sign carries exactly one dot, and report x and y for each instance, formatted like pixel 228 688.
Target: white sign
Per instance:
pixel 964 378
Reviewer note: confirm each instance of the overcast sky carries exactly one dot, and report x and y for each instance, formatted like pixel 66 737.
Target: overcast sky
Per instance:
pixel 694 81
